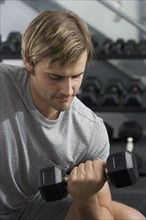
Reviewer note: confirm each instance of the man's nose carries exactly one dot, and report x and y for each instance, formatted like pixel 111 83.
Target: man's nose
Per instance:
pixel 67 87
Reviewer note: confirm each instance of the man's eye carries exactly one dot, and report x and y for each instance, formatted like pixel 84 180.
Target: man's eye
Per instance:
pixel 77 77
pixel 54 77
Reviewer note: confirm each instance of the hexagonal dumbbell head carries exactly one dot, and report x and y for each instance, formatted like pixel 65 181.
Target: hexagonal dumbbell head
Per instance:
pixel 122 169
pixel 51 184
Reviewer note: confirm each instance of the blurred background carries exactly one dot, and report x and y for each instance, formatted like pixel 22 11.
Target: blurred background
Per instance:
pixel 115 82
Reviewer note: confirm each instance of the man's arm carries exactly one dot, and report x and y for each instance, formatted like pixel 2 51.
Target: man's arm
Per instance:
pixel 92 198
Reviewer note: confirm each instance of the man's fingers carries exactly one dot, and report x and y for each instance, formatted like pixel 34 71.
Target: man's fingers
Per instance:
pixel 101 161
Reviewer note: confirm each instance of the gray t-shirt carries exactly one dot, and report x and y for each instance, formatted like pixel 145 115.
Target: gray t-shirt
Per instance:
pixel 29 141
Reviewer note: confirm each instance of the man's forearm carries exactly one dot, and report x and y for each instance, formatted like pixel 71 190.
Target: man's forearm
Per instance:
pixel 87 210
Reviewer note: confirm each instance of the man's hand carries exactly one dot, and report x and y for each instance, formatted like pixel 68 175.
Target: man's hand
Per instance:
pixel 86 179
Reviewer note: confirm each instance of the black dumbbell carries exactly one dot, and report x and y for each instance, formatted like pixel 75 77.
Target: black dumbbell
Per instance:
pixel 141 47
pixel 14 38
pixel 130 129
pixel 130 47
pixel 7 49
pixel 13 44
pixel 106 47
pixel 114 91
pixel 90 91
pixel 118 47
pixel 121 170
pixel 52 183
pixel 135 89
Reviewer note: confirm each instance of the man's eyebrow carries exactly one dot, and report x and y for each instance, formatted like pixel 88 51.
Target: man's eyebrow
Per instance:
pixel 58 74
pixel 79 74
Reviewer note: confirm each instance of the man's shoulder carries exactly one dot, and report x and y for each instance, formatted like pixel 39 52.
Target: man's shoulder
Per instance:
pixel 83 112
pixel 9 67
pixel 12 71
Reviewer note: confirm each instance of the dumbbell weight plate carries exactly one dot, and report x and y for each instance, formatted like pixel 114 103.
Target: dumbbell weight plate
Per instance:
pixel 122 169
pixel 52 184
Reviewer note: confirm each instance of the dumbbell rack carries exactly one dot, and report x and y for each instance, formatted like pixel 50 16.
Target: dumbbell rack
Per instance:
pixel 98 106
pixel 137 191
pixel 116 50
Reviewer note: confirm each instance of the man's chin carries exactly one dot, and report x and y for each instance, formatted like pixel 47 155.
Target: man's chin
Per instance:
pixel 65 108
pixel 63 105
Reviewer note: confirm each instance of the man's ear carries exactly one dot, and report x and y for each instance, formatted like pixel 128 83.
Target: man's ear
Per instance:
pixel 27 64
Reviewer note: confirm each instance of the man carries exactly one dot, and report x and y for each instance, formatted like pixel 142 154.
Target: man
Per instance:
pixel 44 124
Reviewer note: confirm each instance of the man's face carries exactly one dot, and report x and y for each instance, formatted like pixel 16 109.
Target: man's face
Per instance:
pixel 53 88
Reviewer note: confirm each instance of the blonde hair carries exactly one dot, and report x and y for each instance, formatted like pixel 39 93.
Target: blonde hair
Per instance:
pixel 61 35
